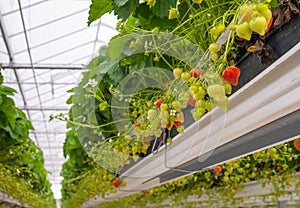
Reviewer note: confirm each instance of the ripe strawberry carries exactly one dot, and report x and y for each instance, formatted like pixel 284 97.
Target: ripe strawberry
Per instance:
pixel 169 125
pixel 217 169
pixel 231 74
pixel 279 167
pixel 158 103
pixel 136 125
pixel 185 76
pixel 173 13
pixel 177 123
pixel 246 12
pixel 147 192
pixel 297 144
pixel 258 25
pixel 191 102
pixel 177 72
pixel 116 183
pixel 193 73
pixel 243 31
pixel 216 92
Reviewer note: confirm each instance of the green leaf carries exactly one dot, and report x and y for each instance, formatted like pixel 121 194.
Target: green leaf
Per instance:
pixel 4 90
pixel 162 7
pixel 99 8
pixel 120 2
pixel 115 46
pixel 123 12
pixel 8 108
pixel 274 4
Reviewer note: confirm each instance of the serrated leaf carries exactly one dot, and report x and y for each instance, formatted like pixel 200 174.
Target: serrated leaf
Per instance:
pixel 99 8
pixel 123 12
pixel 162 7
pixel 120 2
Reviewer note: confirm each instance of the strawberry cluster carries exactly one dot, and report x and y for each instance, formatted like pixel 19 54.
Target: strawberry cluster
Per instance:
pixel 253 18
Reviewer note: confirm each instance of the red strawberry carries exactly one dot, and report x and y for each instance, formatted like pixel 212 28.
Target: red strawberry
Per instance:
pixel 297 144
pixel 269 25
pixel 147 192
pixel 136 125
pixel 193 73
pixel 116 183
pixel 169 125
pixel 279 167
pixel 158 103
pixel 231 74
pixel 177 123
pixel 191 102
pixel 217 169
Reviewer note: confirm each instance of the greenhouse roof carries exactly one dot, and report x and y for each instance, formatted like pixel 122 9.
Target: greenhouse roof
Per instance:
pixel 44 45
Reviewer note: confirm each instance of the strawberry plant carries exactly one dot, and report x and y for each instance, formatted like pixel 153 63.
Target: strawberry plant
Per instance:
pixel 170 59
pixel 22 172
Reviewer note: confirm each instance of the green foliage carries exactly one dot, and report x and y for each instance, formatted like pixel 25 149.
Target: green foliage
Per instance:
pixel 22 172
pixel 274 166
pixel 99 8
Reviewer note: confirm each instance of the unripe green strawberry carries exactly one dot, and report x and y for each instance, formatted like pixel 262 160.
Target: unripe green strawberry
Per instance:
pixel 214 56
pixel 208 105
pixel 177 72
pixel 258 25
pixel 228 88
pixel 197 1
pixel 200 104
pixel 164 107
pixel 263 9
pixel 223 103
pixel 185 76
pixel 176 105
pixel 243 31
pixel 232 27
pixel 220 28
pixel 266 14
pixel 201 111
pixel 200 94
pixel 180 129
pixel 246 12
pixel 213 48
pixel 152 114
pixel 173 13
pixel 194 89
pixel 214 33
pixel 216 92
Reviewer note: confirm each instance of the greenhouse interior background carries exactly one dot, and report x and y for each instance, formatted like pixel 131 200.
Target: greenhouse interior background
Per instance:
pixel 44 47
pixel 221 128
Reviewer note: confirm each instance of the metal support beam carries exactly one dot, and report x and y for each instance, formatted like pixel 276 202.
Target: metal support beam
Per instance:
pixel 11 60
pixel 44 66
pixel 44 108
